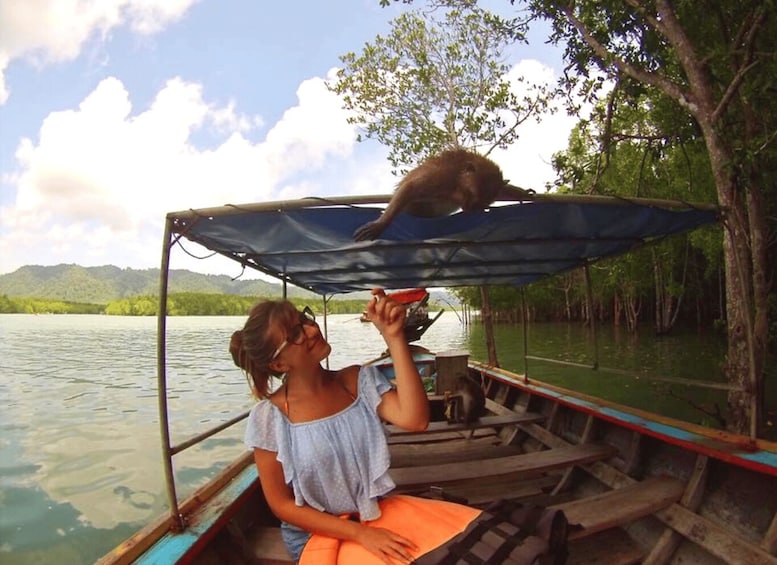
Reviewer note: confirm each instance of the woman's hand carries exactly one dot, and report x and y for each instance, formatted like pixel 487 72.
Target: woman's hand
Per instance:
pixel 387 315
pixel 387 545
pixel 407 406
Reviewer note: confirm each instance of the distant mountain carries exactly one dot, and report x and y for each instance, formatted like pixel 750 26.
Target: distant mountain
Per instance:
pixel 100 285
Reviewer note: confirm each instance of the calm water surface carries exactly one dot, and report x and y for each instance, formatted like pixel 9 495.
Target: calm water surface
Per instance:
pixel 80 463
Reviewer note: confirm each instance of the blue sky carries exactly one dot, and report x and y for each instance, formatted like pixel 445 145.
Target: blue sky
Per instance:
pixel 114 112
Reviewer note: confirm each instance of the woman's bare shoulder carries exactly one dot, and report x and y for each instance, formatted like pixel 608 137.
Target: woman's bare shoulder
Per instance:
pixel 349 377
pixel 278 397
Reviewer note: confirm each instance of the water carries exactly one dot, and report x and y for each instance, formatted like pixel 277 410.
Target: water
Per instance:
pixel 80 463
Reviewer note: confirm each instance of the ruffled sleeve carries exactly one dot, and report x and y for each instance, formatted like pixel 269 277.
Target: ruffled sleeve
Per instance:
pixel 261 427
pixel 373 384
pixel 268 429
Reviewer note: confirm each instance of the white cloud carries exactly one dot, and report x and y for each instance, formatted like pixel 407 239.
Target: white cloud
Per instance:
pixel 101 176
pixel 527 162
pixel 94 186
pixel 313 130
pixel 53 31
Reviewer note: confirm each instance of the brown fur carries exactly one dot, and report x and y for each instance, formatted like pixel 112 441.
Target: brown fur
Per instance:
pixel 439 186
pixel 467 403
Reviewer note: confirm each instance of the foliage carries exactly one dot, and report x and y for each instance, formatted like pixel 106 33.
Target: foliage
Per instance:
pixel 199 304
pixel 434 83
pixel 179 304
pixel 45 306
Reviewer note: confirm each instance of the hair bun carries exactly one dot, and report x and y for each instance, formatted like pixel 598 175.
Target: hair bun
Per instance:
pixel 236 347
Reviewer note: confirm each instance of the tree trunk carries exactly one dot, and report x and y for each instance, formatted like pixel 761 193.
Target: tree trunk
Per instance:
pixel 488 323
pixel 742 369
pixel 617 310
pixel 743 246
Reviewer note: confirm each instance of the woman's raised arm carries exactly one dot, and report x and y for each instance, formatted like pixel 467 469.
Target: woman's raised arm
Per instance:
pixel 408 406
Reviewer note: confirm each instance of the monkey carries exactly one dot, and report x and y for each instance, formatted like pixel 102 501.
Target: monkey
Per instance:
pixel 456 178
pixel 467 403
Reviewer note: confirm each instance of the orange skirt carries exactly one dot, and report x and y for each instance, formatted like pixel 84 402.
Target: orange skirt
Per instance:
pixel 427 523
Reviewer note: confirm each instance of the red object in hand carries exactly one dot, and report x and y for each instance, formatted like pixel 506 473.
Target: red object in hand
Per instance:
pixel 408 296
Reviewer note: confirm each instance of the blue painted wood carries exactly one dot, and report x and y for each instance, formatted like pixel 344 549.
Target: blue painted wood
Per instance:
pixel 172 547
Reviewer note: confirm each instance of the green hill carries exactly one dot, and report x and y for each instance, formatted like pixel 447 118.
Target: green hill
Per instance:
pixel 100 285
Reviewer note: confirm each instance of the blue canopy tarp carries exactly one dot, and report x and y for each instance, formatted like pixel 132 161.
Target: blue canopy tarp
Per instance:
pixel 312 246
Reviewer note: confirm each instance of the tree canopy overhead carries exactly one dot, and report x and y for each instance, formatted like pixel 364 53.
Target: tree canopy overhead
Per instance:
pixel 705 70
pixel 438 80
pixel 715 61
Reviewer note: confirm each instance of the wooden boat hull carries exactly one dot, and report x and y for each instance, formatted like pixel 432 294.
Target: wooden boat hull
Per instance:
pixel 638 487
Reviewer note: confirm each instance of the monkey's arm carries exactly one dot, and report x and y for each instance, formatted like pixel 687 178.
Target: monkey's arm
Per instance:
pixel 371 230
pixel 511 192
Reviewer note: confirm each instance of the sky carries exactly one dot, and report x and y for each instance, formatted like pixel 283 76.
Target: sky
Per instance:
pixel 115 112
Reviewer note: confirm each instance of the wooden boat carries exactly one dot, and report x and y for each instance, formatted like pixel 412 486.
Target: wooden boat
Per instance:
pixel 636 486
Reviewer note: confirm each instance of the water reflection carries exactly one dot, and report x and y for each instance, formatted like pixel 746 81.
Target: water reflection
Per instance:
pixel 80 463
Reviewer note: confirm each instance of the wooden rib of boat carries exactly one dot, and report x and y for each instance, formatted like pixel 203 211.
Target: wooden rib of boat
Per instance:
pixel 635 486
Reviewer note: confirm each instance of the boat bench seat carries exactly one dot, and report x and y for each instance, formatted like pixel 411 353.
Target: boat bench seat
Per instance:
pixel 599 540
pixel 484 422
pixel 430 438
pixel 612 546
pixel 620 506
pixel 451 451
pixel 525 463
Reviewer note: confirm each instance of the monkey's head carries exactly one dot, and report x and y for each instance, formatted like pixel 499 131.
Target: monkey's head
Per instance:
pixel 482 183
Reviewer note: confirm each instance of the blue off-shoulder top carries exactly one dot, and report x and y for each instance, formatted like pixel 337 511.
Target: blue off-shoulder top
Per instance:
pixel 338 464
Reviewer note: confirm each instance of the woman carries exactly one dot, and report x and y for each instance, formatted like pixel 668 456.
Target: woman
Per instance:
pixel 318 440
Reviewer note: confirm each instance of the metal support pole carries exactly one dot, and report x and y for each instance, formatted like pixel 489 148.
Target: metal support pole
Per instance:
pixel 177 521
pixel 326 326
pixel 525 337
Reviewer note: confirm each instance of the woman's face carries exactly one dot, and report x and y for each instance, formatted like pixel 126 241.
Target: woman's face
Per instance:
pixel 299 338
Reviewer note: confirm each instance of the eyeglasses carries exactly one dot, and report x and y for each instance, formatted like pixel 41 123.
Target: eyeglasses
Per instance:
pixel 297 334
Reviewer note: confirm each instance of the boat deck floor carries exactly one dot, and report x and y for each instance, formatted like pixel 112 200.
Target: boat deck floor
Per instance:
pixel 474 464
pixel 481 465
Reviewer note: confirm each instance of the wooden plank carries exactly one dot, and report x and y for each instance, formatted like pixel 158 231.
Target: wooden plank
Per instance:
pixel 670 540
pixel 484 422
pixel 438 437
pixel 769 543
pixel 450 366
pixel 716 539
pixel 480 493
pixel 713 538
pixel 621 506
pixel 268 546
pixel 613 547
pixel 527 462
pixel 416 455
pixel 566 480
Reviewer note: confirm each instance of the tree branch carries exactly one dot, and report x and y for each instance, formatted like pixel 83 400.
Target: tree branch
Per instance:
pixel 641 75
pixel 748 64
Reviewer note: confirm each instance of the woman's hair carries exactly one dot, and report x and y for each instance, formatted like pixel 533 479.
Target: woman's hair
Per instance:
pixel 253 346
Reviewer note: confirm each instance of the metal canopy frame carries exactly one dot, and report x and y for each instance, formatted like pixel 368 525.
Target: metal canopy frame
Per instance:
pixel 507 246
pixel 309 242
